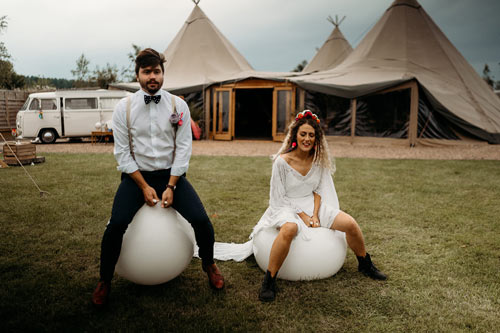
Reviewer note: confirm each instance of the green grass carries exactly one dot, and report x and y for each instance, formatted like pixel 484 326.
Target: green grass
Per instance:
pixel 432 226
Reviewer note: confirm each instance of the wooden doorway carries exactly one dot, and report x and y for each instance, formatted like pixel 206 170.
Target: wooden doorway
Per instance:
pixel 223 114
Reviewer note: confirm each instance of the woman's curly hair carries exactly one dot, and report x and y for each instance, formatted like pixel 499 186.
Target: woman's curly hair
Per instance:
pixel 320 150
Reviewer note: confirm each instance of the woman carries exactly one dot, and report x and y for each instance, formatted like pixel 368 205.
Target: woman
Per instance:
pixel 302 196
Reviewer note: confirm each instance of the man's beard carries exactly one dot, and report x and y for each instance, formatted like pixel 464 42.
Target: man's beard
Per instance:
pixel 151 91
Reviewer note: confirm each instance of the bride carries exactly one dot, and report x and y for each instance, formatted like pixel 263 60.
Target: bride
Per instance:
pixel 302 196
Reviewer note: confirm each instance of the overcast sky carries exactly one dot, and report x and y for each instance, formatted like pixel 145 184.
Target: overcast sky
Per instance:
pixel 45 37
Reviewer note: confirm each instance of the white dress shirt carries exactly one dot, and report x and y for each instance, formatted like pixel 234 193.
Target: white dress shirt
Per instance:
pixel 152 135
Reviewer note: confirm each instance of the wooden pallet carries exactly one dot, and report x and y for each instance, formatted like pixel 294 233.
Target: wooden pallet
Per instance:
pixel 25 152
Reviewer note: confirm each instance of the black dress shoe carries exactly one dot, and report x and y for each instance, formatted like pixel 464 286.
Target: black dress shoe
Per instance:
pixel 368 268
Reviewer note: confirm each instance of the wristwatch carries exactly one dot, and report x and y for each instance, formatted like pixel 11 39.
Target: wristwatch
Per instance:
pixel 172 187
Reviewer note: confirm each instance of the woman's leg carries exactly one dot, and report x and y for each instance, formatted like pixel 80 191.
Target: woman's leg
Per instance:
pixel 279 251
pixel 346 223
pixel 281 246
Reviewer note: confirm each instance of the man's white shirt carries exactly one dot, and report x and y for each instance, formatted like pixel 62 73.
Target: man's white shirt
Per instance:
pixel 152 135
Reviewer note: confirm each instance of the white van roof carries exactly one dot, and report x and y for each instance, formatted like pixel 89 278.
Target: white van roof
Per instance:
pixel 81 93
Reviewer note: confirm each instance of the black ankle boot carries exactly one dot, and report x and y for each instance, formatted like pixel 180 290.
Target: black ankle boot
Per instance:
pixel 267 292
pixel 368 268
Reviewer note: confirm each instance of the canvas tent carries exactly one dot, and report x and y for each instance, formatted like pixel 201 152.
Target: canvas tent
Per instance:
pixel 198 56
pixel 405 64
pixel 333 51
pixel 218 82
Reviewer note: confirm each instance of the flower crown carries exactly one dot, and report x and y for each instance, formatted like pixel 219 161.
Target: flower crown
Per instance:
pixel 307 114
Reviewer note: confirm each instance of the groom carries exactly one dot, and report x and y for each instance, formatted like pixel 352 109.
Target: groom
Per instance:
pixel 155 167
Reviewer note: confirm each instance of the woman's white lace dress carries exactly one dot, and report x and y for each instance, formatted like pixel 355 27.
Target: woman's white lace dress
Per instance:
pixel 290 193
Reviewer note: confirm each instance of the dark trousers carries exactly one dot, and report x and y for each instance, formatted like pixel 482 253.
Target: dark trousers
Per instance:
pixel 129 199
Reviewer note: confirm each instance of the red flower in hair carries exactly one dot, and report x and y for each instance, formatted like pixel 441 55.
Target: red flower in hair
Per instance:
pixel 294 144
pixel 307 114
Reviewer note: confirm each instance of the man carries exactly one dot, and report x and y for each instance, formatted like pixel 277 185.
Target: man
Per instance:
pixel 156 167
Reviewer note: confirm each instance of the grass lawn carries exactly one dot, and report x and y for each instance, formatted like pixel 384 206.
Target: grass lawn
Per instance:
pixel 432 226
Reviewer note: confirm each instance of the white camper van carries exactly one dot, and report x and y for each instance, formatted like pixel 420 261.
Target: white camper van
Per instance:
pixel 66 114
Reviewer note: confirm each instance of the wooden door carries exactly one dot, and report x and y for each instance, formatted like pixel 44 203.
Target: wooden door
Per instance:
pixel 283 111
pixel 223 114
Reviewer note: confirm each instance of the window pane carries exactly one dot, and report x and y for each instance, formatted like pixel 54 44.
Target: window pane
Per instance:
pixel 49 104
pixel 225 111
pixel 81 103
pixel 35 104
pixel 109 103
pixel 284 107
pixel 25 105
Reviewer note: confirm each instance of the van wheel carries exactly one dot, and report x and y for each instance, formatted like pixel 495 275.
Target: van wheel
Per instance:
pixel 48 136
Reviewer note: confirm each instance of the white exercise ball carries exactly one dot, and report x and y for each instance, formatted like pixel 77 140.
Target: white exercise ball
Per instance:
pixel 157 246
pixel 320 257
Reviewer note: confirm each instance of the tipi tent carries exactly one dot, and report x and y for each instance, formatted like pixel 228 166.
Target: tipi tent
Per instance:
pixel 229 97
pixel 406 51
pixel 333 51
pixel 198 56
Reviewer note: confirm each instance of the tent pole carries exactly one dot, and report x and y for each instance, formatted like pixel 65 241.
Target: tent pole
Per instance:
pixel 413 127
pixel 206 106
pixel 353 119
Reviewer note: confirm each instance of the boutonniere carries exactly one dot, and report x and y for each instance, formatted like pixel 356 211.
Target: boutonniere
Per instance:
pixel 176 119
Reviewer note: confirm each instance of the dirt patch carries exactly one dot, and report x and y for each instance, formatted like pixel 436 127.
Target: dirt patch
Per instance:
pixel 341 149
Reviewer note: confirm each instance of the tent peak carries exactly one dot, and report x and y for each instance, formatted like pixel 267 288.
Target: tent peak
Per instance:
pixel 196 2
pixel 408 3
pixel 335 22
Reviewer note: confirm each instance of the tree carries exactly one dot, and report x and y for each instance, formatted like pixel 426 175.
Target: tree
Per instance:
pixel 487 76
pixel 497 84
pixel 82 73
pixel 103 77
pixel 9 79
pixel 300 66
pixel 4 54
pixel 129 73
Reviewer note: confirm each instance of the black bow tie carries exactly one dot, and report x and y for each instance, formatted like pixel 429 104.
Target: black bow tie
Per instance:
pixel 148 99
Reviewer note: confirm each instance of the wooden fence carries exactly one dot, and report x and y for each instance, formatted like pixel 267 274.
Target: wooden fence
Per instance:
pixel 10 102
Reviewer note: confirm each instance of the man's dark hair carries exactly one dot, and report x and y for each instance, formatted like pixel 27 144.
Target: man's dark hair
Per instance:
pixel 149 57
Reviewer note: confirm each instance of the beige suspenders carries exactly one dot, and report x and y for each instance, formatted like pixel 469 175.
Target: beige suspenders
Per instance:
pixel 128 127
pixel 174 110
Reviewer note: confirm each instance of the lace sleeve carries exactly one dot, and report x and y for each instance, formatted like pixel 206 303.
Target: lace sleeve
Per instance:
pixel 277 195
pixel 326 189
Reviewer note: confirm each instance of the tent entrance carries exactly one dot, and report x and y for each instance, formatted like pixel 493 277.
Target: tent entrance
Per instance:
pixel 253 113
pixel 384 115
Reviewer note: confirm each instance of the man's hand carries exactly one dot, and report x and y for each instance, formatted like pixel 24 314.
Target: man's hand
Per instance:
pixel 150 196
pixel 167 198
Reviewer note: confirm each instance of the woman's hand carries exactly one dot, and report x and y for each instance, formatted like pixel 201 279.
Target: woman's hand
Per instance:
pixel 310 221
pixel 150 196
pixel 315 222
pixel 305 218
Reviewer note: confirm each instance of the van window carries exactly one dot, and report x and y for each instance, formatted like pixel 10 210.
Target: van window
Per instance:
pixel 25 105
pixel 35 104
pixel 49 104
pixel 109 103
pixel 81 103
